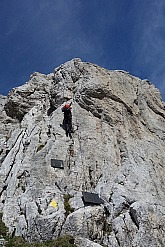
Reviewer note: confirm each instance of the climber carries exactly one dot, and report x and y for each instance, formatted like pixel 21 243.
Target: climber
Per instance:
pixel 67 121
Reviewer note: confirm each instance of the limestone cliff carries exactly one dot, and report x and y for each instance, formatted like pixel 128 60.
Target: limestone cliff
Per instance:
pixel 117 151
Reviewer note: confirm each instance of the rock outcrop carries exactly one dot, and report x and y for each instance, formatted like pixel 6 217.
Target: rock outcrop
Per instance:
pixel 117 151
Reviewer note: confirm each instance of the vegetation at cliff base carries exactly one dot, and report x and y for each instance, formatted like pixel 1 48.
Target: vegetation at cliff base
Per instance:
pixel 62 241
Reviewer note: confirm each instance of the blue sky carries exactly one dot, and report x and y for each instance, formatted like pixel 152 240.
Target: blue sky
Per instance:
pixel 39 35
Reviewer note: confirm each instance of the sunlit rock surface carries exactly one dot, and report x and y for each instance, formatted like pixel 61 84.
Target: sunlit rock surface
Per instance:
pixel 117 150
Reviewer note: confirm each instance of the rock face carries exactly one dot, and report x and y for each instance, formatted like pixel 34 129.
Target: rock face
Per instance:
pixel 117 151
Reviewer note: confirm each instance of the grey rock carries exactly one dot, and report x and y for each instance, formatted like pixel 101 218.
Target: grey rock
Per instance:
pixel 84 242
pixel 117 150
pixel 2 242
pixel 87 222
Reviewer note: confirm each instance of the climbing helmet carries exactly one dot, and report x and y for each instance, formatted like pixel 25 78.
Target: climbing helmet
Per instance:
pixel 67 105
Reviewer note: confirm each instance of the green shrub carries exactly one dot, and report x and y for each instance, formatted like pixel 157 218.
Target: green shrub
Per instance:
pixel 68 208
pixel 40 147
pixel 3 228
pixel 65 241
pixel 17 242
pixel 107 227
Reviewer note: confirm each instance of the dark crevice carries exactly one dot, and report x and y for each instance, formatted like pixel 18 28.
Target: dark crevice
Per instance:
pixel 49 131
pixel 25 146
pixel 1 151
pixel 13 233
pixel 25 217
pixel 56 184
pixel 31 131
pixel 133 215
pixel 24 174
pixel 13 162
pixel 53 105
pixel 53 229
pixel 39 208
pixel 152 107
pixel 2 159
pixel 91 177
pixel 122 209
pixel 7 151
pixel 106 211
pixel 110 196
pixel 107 227
pixel 3 189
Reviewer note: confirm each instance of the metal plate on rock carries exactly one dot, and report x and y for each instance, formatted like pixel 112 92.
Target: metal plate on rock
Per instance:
pixel 57 163
pixel 91 199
